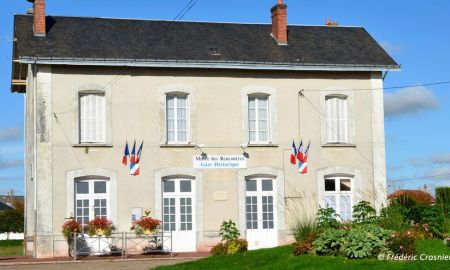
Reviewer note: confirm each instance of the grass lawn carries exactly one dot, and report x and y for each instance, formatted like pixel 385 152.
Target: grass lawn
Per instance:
pixel 283 258
pixel 11 248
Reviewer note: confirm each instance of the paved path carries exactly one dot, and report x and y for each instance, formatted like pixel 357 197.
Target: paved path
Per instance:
pixel 97 265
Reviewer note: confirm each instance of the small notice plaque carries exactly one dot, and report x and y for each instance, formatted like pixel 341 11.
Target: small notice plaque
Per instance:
pixel 220 162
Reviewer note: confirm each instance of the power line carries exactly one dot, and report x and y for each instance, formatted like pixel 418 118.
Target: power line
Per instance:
pixel 385 88
pixel 418 178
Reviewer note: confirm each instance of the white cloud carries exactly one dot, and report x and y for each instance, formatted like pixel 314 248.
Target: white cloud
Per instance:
pixel 10 163
pixel 409 100
pixel 442 173
pixel 395 167
pixel 443 158
pixel 10 134
pixel 419 162
pixel 391 48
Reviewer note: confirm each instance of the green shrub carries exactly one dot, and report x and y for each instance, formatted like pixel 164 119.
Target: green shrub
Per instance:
pixel 365 241
pixel 403 243
pixel 446 225
pixel 393 218
pixel 219 249
pixel 329 242
pixel 363 212
pixel 326 218
pixel 302 248
pixel 434 217
pixel 447 241
pixel 229 231
pixel 443 199
pixel 236 246
pixel 11 221
pixel 303 229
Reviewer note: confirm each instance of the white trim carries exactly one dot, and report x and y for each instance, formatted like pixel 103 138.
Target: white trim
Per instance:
pixel 261 90
pixel 278 176
pixel 71 176
pixel 208 65
pixel 182 173
pixel 378 142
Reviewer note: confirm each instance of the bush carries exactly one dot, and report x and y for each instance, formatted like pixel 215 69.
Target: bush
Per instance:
pixel 443 199
pixel 326 218
pixel 434 217
pixel 11 221
pixel 302 248
pixel 229 231
pixel 393 218
pixel 363 212
pixel 303 229
pixel 447 241
pixel 219 249
pixel 365 241
pixel 403 243
pixel 236 246
pixel 329 242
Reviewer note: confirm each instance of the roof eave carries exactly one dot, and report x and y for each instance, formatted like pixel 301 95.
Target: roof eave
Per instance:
pixel 207 64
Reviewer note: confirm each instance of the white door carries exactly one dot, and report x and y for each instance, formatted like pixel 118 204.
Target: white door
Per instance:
pixel 179 214
pixel 260 213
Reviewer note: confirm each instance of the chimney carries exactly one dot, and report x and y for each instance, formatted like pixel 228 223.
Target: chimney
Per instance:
pixel 39 25
pixel 279 23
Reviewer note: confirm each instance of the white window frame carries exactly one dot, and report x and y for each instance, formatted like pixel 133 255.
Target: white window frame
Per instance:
pixel 91 196
pixel 337 119
pixel 338 194
pixel 259 193
pixel 83 137
pixel 188 118
pixel 177 195
pixel 257 97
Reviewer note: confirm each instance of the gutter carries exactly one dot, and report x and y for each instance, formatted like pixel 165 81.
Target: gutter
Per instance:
pixel 206 64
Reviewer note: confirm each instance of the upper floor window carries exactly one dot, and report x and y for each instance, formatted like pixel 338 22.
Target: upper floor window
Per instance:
pixel 92 118
pixel 338 195
pixel 337 119
pixel 91 199
pixel 177 118
pixel 258 119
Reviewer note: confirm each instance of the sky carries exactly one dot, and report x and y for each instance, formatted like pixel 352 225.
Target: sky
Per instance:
pixel 415 33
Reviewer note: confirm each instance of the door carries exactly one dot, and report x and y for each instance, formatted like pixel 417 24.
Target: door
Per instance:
pixel 179 213
pixel 260 213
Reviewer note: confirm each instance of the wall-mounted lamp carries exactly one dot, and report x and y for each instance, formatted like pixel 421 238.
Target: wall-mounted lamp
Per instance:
pixel 203 154
pixel 245 154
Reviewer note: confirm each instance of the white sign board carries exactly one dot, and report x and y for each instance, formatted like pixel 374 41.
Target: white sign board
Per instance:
pixel 220 162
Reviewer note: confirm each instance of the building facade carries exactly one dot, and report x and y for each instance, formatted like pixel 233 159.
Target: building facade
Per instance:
pixel 217 116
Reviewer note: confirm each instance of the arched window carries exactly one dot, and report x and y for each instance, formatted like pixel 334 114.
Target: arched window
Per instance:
pixel 92 198
pixel 338 194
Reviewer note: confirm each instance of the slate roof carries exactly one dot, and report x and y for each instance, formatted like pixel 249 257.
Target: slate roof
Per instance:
pixel 100 38
pixel 4 207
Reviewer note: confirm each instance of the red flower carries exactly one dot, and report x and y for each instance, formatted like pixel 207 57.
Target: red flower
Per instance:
pixel 147 223
pixel 100 223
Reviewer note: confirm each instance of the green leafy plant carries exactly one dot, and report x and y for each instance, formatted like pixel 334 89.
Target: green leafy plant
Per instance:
pixel 329 242
pixel 403 243
pixel 219 249
pixel 229 231
pixel 326 218
pixel 393 218
pixel 433 216
pixel 363 212
pixel 236 246
pixel 365 241
pixel 302 229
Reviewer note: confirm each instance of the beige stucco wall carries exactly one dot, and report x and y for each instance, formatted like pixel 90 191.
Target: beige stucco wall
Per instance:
pixel 137 114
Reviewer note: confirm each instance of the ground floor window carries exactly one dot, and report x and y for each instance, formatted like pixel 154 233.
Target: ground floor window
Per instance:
pixel 338 195
pixel 91 199
pixel 259 204
pixel 178 205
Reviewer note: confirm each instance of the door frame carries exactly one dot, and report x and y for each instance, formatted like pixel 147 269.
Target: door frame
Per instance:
pixel 195 175
pixel 277 175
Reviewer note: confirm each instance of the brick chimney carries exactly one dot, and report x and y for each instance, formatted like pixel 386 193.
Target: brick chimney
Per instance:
pixel 39 25
pixel 279 23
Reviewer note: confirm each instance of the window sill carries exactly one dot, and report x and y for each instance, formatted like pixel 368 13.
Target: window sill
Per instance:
pixel 262 145
pixel 175 145
pixel 339 145
pixel 100 145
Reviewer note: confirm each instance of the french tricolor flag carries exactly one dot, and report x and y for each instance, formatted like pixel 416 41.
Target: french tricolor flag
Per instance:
pixel 300 152
pixel 304 168
pixel 138 156
pixel 126 153
pixel 294 153
pixel 133 154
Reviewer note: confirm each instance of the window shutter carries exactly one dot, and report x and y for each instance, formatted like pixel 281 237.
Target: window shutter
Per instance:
pixel 336 120
pixel 92 119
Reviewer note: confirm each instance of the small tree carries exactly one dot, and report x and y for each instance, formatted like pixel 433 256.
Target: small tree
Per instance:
pixel 11 221
pixel 327 218
pixel 363 212
pixel 229 231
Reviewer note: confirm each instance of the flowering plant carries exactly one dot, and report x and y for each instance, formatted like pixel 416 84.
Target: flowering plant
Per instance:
pixel 70 226
pixel 145 224
pixel 100 226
